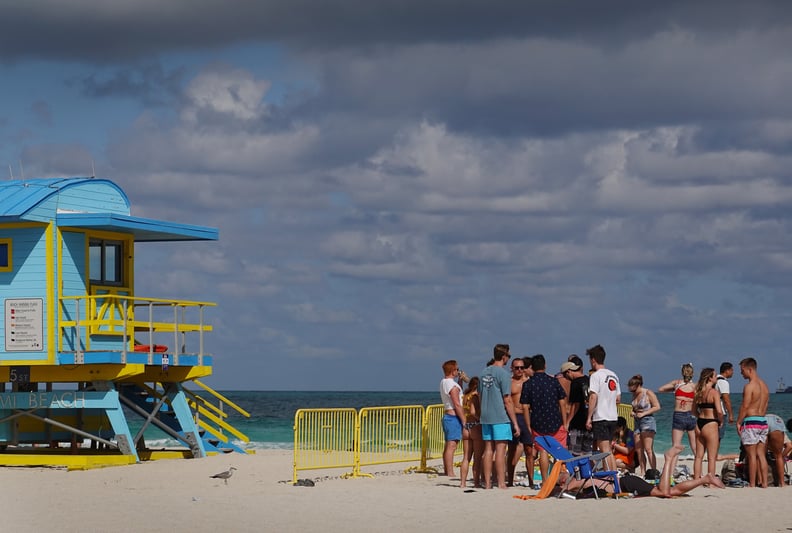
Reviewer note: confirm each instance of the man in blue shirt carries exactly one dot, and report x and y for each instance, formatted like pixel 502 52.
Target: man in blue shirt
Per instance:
pixel 498 421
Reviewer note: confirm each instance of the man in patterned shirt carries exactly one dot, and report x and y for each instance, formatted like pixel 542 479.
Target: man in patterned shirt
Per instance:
pixel 544 408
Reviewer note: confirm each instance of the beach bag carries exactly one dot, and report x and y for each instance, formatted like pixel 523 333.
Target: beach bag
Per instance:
pixel 728 471
pixel 652 475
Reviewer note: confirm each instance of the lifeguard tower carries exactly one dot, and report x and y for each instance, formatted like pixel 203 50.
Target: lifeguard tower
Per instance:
pixel 80 352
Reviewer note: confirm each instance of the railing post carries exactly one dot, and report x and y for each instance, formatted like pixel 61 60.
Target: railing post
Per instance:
pixel 175 334
pixel 125 335
pixel 151 332
pixel 356 446
pixel 200 334
pixel 78 355
pixel 425 438
pixel 183 333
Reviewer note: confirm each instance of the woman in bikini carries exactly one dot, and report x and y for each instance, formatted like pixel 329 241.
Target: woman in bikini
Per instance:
pixel 644 406
pixel 707 408
pixel 472 441
pixel 683 421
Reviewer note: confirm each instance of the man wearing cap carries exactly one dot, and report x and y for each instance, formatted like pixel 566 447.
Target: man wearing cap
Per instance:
pixel 581 440
pixel 544 407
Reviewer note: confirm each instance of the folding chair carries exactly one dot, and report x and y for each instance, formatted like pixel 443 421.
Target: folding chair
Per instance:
pixel 580 466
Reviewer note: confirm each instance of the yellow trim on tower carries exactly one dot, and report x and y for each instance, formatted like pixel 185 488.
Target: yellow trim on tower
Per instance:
pixel 52 298
pixel 9 267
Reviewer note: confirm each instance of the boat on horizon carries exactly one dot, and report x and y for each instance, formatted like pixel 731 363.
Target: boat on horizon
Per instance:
pixel 782 388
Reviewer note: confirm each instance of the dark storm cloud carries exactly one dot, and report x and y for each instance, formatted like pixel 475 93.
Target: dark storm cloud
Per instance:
pixel 106 31
pixel 546 87
pixel 150 84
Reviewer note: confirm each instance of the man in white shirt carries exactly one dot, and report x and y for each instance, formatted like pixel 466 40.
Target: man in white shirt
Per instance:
pixel 604 396
pixel 722 384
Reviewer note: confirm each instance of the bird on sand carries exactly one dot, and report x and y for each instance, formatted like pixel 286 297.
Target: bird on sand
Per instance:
pixel 224 475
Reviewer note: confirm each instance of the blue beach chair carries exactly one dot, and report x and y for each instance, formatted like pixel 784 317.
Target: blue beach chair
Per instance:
pixel 580 466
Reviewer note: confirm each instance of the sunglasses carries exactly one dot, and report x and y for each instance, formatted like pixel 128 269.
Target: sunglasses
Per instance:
pixel 518 368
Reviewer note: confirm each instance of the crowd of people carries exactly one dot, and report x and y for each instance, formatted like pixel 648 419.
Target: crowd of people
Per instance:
pixel 498 416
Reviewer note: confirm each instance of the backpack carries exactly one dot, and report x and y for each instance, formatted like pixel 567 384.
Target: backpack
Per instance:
pixel 728 471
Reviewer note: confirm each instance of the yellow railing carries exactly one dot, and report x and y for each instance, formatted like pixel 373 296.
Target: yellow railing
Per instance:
pixel 345 438
pixel 434 440
pixel 324 438
pixel 93 315
pixel 205 410
pixel 389 435
pixel 625 410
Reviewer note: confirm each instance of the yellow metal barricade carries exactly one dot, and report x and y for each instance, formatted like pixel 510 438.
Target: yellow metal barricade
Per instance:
pixel 341 438
pixel 389 435
pixel 434 440
pixel 324 438
pixel 625 410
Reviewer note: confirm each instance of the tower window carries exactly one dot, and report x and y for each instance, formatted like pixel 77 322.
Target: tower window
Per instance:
pixel 106 262
pixel 5 255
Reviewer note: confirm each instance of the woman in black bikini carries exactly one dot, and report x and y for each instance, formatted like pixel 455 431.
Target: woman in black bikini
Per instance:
pixel 709 417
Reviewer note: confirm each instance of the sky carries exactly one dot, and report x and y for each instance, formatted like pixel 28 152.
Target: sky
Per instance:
pixel 402 182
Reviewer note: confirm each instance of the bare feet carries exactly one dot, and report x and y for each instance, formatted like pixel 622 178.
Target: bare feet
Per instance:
pixel 715 480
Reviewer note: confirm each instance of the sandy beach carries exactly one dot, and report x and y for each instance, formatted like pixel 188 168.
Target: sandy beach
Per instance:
pixel 179 495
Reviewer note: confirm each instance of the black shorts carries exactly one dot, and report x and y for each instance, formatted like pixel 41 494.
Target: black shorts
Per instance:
pixel 635 485
pixel 603 429
pixel 580 441
pixel 525 435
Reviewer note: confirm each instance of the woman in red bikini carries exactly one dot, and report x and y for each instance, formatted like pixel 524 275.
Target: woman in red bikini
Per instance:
pixel 683 421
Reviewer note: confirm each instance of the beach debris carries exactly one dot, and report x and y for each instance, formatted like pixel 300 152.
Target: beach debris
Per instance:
pixel 225 476
pixel 304 483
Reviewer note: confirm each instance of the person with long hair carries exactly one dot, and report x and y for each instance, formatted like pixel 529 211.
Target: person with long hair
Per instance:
pixel 472 443
pixel 644 405
pixel 709 417
pixel 683 420
pixel 623 446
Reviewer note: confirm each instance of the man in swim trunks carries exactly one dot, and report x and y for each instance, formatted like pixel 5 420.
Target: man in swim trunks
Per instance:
pixel 498 423
pixel 752 424
pixel 544 407
pixel 524 441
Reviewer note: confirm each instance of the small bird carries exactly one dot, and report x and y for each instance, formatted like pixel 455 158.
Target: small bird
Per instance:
pixel 224 475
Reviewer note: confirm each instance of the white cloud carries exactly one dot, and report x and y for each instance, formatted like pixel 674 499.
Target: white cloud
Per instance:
pixel 226 91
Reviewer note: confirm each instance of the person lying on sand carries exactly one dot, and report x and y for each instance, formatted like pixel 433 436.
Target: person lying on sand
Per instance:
pixel 639 487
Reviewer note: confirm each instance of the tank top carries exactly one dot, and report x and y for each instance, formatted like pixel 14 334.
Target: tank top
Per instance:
pixel 643 404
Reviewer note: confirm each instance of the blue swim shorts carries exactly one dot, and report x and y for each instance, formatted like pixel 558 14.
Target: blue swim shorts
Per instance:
pixel 496 431
pixel 684 421
pixel 452 427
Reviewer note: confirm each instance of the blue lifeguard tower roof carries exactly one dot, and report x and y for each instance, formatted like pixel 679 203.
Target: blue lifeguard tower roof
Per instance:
pixel 19 200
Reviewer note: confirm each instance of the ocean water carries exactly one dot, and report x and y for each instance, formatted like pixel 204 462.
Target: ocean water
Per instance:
pixel 271 419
